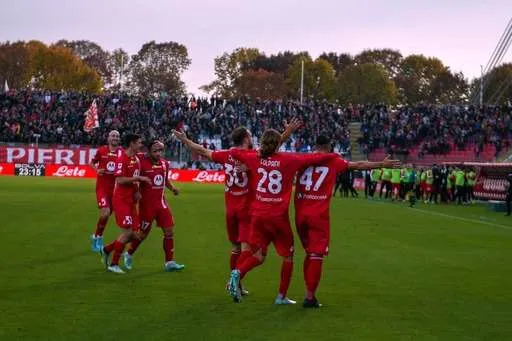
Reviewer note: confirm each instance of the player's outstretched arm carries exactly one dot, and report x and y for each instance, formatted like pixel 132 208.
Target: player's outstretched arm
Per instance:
pixel 311 159
pixel 289 129
pixel 386 163
pixel 125 180
pixel 172 188
pixel 95 163
pixel 194 147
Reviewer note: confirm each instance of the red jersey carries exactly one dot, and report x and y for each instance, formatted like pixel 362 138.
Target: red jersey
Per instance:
pixel 314 186
pixel 157 172
pixel 271 179
pixel 106 160
pixel 236 192
pixel 126 166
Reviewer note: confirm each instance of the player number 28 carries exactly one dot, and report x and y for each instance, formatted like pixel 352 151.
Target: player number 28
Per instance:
pixel 274 178
pixel 306 179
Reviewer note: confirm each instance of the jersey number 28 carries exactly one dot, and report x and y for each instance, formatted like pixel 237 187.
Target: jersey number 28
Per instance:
pixel 273 185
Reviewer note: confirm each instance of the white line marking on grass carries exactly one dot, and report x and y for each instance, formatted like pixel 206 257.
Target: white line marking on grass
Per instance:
pixel 461 218
pixel 444 214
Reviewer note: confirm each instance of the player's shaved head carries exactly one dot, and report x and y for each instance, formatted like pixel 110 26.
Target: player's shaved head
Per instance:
pixel 269 143
pixel 155 149
pixel 323 144
pixel 240 135
pixel 130 138
pixel 113 138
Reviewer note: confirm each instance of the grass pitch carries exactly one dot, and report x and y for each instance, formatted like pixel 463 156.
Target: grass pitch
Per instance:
pixel 393 273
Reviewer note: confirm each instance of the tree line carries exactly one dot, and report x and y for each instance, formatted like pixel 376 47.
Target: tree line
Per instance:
pixel 372 76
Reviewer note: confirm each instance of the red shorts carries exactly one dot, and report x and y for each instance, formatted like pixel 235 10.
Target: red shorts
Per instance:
pixel 238 225
pixel 395 188
pixel 314 233
pixel 428 188
pixel 125 212
pixel 104 197
pixel 276 230
pixel 149 213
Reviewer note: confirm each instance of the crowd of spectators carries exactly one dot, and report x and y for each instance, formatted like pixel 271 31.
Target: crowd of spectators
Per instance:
pixel 436 129
pixel 57 118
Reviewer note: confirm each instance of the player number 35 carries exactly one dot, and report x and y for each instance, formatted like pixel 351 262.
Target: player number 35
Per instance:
pixel 235 178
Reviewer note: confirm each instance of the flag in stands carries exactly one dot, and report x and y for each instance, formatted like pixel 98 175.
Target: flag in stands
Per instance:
pixel 91 118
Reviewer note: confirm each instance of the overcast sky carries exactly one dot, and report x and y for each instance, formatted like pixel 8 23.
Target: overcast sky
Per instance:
pixel 462 33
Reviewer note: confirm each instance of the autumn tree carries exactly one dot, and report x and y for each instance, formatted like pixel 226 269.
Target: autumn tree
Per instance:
pixel 279 63
pixel 338 61
pixel 390 60
pixel 119 64
pixel 261 83
pixel 319 78
pixel 366 83
pixel 497 85
pixel 428 80
pixel 14 64
pixel 158 67
pixel 57 68
pixel 93 55
pixel 228 68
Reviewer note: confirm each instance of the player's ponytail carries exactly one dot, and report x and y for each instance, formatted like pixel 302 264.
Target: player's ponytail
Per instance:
pixel 269 143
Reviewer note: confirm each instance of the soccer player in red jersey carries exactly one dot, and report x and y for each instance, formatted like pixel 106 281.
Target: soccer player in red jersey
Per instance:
pixel 314 186
pixel 238 197
pixel 104 162
pixel 271 180
pixel 126 195
pixel 153 205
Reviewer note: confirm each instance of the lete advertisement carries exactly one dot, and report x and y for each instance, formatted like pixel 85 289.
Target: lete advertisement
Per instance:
pixel 178 175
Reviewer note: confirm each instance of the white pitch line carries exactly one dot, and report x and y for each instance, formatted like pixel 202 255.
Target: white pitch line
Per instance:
pixel 460 218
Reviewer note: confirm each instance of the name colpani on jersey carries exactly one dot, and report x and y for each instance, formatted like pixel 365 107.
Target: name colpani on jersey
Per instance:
pixel 270 163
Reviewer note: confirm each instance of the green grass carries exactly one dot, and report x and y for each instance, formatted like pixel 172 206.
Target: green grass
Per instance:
pixel 393 273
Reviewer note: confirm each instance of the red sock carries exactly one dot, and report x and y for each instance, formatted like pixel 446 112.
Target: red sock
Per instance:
pixel 286 276
pixel 233 260
pixel 110 247
pixel 249 264
pixel 313 274
pixel 134 245
pixel 100 226
pixel 243 256
pixel 305 266
pixel 168 249
pixel 118 250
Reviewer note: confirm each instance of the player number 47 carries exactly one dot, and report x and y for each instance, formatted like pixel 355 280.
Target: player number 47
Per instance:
pixel 306 179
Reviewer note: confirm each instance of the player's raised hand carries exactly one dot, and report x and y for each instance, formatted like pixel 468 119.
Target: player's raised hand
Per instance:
pixel 389 163
pixel 180 135
pixel 293 125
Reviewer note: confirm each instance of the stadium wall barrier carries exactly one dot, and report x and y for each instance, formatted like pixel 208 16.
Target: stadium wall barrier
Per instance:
pixel 61 155
pixel 71 171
